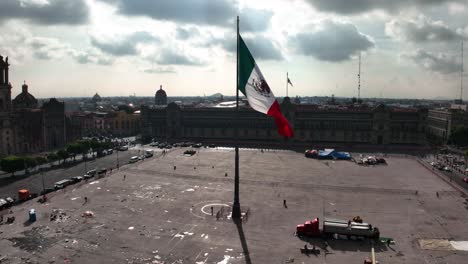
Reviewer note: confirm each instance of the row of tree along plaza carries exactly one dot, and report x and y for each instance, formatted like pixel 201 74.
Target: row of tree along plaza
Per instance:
pixel 87 148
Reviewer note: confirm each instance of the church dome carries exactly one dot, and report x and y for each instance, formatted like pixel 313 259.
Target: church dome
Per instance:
pixel 96 98
pixel 161 92
pixel 161 97
pixel 24 99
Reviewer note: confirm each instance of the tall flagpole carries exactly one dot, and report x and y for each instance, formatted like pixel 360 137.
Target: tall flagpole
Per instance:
pixel 236 211
pixel 287 78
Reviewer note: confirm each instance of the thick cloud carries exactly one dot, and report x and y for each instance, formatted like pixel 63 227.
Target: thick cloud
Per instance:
pixel 47 48
pixel 262 48
pixel 200 12
pixel 160 70
pixel 90 57
pixel 124 46
pixel 186 33
pixel 172 57
pixel 53 49
pixel 440 62
pixel 421 30
pixel 362 6
pixel 186 11
pixel 331 41
pixel 254 20
pixel 52 12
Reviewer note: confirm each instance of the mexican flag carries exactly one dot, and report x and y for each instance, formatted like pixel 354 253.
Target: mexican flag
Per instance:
pixel 253 85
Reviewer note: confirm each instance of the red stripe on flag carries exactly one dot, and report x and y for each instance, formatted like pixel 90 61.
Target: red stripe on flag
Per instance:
pixel 284 128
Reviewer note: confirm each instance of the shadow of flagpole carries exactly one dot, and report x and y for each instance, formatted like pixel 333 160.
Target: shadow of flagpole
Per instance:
pixel 245 248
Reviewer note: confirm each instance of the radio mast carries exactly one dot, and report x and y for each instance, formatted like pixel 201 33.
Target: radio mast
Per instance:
pixel 359 78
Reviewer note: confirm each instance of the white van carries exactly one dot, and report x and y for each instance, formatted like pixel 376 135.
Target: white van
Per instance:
pixel 133 159
pixel 148 153
pixel 62 184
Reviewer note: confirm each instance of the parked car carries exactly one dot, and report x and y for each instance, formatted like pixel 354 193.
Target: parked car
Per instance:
pixel 10 201
pixel 212 146
pixel 110 151
pixel 134 159
pixel 3 203
pixel 148 153
pixel 153 144
pixel 76 179
pixel 198 145
pixel 91 172
pixel 102 171
pixel 380 160
pixel 62 184
pixel 88 176
pixel 466 180
pixel 447 169
pixel 123 148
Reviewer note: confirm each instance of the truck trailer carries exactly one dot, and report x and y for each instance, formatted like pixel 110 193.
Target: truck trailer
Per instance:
pixel 337 226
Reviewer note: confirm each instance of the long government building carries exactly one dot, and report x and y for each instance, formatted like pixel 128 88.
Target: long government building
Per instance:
pixel 313 125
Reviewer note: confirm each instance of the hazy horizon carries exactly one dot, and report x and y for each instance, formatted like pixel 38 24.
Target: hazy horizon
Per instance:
pixel 410 49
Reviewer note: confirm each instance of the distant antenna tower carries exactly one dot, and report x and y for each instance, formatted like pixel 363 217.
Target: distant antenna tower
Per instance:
pixel 461 74
pixel 359 78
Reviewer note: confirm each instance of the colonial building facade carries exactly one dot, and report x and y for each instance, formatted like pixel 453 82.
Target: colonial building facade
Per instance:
pixel 24 127
pixel 117 123
pixel 312 124
pixel 441 123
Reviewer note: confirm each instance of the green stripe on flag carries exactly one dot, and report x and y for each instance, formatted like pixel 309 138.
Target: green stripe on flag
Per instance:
pixel 246 65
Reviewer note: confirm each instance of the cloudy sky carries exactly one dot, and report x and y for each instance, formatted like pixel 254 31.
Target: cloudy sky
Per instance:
pixel 410 48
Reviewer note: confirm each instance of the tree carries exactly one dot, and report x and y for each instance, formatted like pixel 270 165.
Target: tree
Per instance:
pixel 84 147
pixel 459 136
pixel 62 154
pixel 40 160
pixel 29 162
pixel 12 164
pixel 94 144
pixel 74 149
pixel 51 157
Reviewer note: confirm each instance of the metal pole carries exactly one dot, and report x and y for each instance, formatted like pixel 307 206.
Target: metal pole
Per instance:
pixel 85 157
pixel 43 186
pixel 117 157
pixel 287 78
pixel 461 75
pixel 236 211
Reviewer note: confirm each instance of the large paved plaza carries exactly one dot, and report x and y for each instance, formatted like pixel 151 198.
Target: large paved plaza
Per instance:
pixel 160 212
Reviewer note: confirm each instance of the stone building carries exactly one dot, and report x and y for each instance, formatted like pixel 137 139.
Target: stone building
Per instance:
pixel 160 98
pixel 441 123
pixel 118 123
pixel 313 125
pixel 54 126
pixel 7 136
pixel 24 127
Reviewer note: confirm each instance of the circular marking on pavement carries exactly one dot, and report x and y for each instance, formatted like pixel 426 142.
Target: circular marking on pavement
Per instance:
pixel 212 204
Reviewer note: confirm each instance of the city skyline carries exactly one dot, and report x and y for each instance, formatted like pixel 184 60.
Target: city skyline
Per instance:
pixel 410 49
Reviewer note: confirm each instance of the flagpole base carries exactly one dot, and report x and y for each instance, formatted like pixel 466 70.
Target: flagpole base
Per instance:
pixel 236 211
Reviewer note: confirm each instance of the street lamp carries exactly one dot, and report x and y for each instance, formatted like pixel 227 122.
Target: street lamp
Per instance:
pixel 43 185
pixel 117 158
pixel 85 158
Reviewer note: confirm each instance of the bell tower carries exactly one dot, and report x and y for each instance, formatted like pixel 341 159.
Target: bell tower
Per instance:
pixel 5 86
